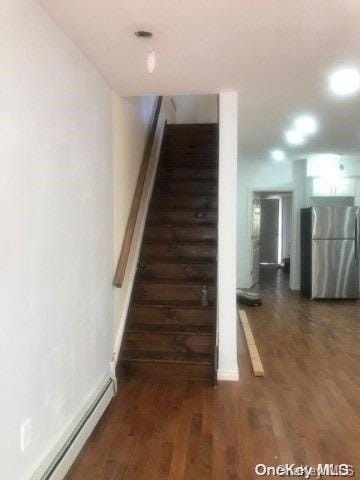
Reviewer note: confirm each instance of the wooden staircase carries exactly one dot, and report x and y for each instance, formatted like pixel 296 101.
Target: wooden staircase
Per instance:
pixel 170 330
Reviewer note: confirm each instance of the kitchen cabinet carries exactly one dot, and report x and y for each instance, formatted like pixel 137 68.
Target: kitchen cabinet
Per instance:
pixel 357 192
pixel 333 187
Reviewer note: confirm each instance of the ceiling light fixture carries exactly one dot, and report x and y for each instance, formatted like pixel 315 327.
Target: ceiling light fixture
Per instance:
pixel 293 137
pixel 277 155
pixel 151 61
pixel 306 125
pixel 151 55
pixel 345 81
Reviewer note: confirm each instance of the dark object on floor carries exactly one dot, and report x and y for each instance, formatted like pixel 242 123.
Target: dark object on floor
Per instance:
pixel 286 262
pixel 251 299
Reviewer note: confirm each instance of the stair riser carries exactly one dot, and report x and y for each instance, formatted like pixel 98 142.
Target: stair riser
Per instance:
pixel 174 217
pixel 170 173
pixel 171 316
pixel 187 187
pixel 173 250
pixel 201 140
pixel 171 293
pixel 177 271
pixel 201 150
pixel 191 129
pixel 154 370
pixel 183 160
pixel 177 233
pixel 169 342
pixel 198 202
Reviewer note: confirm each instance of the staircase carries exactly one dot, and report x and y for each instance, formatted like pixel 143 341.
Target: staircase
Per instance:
pixel 170 330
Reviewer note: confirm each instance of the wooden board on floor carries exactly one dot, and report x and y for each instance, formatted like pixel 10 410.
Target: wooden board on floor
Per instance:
pixel 250 341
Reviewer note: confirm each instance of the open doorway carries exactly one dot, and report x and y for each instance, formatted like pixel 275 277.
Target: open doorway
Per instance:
pixel 271 236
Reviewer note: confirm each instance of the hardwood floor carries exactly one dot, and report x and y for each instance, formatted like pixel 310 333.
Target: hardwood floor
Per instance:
pixel 306 410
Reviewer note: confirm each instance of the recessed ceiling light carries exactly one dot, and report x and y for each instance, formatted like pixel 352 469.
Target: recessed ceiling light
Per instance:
pixel 277 155
pixel 293 137
pixel 306 125
pixel 345 81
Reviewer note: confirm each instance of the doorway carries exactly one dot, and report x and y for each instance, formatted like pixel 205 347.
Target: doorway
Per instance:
pixel 271 234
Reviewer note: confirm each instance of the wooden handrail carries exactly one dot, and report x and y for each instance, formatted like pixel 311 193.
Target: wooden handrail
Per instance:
pixel 134 210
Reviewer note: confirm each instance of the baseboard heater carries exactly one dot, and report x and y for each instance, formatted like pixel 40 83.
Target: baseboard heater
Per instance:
pixel 64 458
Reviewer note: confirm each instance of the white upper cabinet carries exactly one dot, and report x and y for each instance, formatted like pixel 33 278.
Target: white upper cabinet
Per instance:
pixel 331 187
pixel 345 187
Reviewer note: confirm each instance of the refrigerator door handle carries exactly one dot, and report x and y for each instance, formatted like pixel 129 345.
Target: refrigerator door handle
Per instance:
pixel 356 237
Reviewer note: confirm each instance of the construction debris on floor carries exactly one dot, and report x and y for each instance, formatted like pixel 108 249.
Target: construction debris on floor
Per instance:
pixel 246 297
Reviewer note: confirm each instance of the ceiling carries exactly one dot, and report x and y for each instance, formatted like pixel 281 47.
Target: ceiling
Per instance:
pixel 276 53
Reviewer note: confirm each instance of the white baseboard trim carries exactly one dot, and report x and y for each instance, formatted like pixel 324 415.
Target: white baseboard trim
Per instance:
pixel 62 456
pixel 228 375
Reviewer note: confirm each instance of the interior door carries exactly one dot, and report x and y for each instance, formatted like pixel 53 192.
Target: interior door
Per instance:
pixel 269 230
pixel 335 269
pixel 255 239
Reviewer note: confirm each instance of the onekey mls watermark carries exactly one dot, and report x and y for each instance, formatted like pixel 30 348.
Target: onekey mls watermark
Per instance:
pixel 305 471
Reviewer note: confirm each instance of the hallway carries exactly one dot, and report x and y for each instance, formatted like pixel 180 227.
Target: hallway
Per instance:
pixel 304 411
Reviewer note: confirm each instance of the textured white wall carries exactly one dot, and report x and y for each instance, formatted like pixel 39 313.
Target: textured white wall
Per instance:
pixel 56 238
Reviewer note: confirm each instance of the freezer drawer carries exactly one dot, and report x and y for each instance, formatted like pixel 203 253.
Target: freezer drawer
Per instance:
pixel 335 270
pixel 334 222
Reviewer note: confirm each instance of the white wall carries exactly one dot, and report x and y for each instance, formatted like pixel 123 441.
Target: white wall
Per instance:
pixel 196 108
pixel 56 238
pixel 131 121
pixel 255 175
pixel 226 280
pixel 286 210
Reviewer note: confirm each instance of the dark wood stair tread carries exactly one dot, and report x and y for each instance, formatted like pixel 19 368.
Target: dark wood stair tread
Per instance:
pixel 171 329
pixel 209 196
pixel 187 168
pixel 166 241
pixel 182 209
pixel 176 305
pixel 167 357
pixel 176 281
pixel 182 225
pixel 180 260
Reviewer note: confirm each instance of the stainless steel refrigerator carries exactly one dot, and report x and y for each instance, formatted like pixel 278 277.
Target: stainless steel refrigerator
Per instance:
pixel 330 252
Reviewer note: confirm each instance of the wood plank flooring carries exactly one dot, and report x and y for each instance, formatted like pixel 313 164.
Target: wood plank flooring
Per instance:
pixel 305 410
